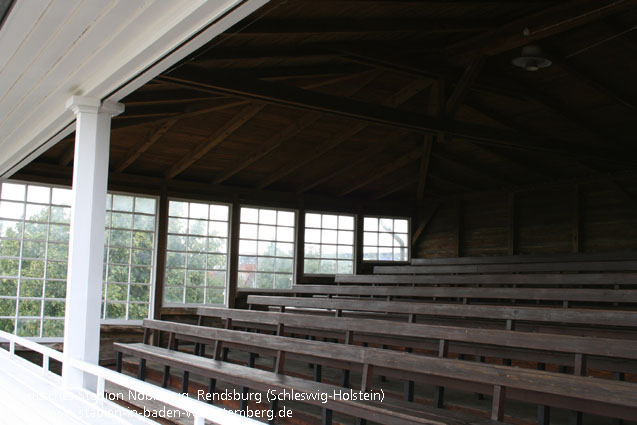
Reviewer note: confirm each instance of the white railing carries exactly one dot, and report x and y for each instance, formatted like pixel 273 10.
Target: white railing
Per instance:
pixel 199 410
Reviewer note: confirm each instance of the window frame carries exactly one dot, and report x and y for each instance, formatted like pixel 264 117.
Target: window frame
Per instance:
pixel 294 244
pixel 228 254
pixel 393 217
pixel 153 267
pixel 355 242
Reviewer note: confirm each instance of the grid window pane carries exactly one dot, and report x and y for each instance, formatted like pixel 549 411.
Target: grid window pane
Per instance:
pixel 266 248
pixel 197 253
pixel 34 237
pixel 328 238
pixel 385 239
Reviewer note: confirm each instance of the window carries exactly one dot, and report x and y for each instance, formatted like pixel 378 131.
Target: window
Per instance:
pixel 34 243
pixel 266 248
pixel 329 244
pixel 385 239
pixel 128 256
pixel 197 253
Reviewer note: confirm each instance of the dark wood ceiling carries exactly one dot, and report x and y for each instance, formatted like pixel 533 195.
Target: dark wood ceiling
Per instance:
pixel 388 100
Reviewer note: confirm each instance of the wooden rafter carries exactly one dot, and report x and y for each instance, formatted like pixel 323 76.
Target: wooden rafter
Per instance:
pixel 470 169
pixel 393 188
pixel 270 145
pixel 213 140
pixel 553 20
pixel 294 97
pixel 384 171
pixel 456 185
pixel 402 96
pixel 463 86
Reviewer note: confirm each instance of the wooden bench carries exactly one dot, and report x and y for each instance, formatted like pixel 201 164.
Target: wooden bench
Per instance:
pixel 500 279
pixel 521 259
pixel 466 294
pixel 614 323
pixel 558 267
pixel 599 353
pixel 597 396
pixel 282 349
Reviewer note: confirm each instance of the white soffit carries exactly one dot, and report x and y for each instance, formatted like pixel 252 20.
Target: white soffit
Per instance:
pixel 51 50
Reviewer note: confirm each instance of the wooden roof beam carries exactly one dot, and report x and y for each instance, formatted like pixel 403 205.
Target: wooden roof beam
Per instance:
pixel 463 86
pixel 213 140
pixel 356 26
pixel 393 188
pixel 553 20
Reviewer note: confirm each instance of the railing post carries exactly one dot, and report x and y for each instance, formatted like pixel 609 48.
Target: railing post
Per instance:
pixel 45 364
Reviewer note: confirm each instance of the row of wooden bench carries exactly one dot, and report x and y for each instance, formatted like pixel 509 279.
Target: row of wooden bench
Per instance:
pixel 599 396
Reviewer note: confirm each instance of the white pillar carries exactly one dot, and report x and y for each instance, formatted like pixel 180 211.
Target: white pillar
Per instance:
pixel 86 245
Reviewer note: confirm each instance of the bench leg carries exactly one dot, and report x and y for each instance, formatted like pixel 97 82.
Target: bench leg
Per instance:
pixel 409 390
pixel 618 376
pixel 317 372
pixel 164 380
pixel 576 418
pixel 439 397
pixel 195 350
pixel 202 350
pixel 274 406
pixel 251 359
pixel 543 415
pixel 326 417
pixel 211 388
pixel 383 378
pixel 345 382
pixel 141 370
pixel 118 364
pixel 184 382
pixel 244 398
pixel 478 395
pixel 224 354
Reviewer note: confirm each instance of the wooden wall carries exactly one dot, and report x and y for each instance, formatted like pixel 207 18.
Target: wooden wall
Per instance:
pixel 591 217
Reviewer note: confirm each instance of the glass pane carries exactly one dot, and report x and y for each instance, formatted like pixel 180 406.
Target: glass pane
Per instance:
pixel 144 222
pixel 32 268
pixel 286 218
pixel 312 250
pixel 13 210
pixel 265 280
pixel 115 311
pixel 385 254
pixel 178 209
pixel 53 328
pixel 285 234
pixel 123 203
pixel 370 223
pixel 247 247
pixel 218 228
pixel 267 233
pixel 173 295
pixel 247 280
pixel 120 238
pixel 218 245
pixel 54 308
pixel 265 264
pixel 312 236
pixel 219 212
pixel 217 262
pixel 385 239
pixel 346 252
pixel 345 237
pixel 39 213
pixel 283 281
pixel 175 259
pixel 142 240
pixel 9 248
pixel 31 288
pixel 312 220
pixel 197 261
pixel 330 221
pixel 55 289
pixel 400 239
pixel 56 269
pixel 177 225
pixel 370 239
pixel 61 196
pixel 370 253
pixel 198 227
pixel 401 226
pixel 28 328
pixel 198 210
pixel 328 266
pixel 267 217
pixel 10 229
pixel 145 205
pixel 284 265
pixel 215 296
pixel 247 263
pixel 329 236
pixel 38 194
pixel 137 311
pixel 345 222
pixel 216 278
pixel 345 267
pixel 249 215
pixel 61 214
pixel 196 244
pixel 13 191
pixel 140 275
pixel 8 287
pixel 248 231
pixel 285 249
pixel 328 251
pixel 311 266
